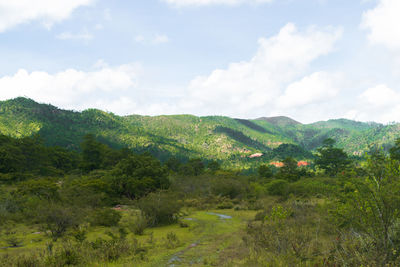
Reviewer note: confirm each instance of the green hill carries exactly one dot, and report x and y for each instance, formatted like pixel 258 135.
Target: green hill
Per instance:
pixel 185 136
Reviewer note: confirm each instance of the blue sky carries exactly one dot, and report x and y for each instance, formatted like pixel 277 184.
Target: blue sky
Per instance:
pixel 307 59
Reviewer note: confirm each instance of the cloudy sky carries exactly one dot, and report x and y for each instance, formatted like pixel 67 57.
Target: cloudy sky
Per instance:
pixel 308 59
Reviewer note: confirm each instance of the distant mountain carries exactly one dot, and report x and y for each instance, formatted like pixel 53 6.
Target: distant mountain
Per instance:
pixel 185 136
pixel 281 121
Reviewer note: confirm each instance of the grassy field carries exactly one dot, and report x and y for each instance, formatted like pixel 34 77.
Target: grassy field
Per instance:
pixel 201 238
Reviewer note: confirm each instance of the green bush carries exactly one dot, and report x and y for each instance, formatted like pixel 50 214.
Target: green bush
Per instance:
pixel 278 187
pixel 171 240
pixel 160 208
pixel 105 217
pixel 135 223
pixel 227 187
pixel 312 187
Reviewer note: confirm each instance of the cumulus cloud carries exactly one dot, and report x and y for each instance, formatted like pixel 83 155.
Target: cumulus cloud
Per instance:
pixel 379 103
pixel 106 87
pixel 380 95
pixel 48 12
pixel 315 88
pixel 247 87
pixel 184 3
pixel 383 22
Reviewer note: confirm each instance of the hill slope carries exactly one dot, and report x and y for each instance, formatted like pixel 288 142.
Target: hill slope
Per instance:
pixel 211 137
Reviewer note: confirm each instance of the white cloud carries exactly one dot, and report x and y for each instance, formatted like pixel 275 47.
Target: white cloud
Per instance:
pixel 383 23
pixel 246 88
pixel 380 96
pixel 48 12
pixel 105 87
pixel 379 103
pixel 315 88
pixel 184 3
pixel 160 39
pixel 84 36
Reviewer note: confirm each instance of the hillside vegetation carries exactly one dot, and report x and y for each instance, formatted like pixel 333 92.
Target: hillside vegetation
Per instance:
pixel 225 139
pixel 101 206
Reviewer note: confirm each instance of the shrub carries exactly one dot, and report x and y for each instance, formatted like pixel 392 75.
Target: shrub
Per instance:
pixel 311 187
pixel 278 187
pixel 225 205
pixel 172 240
pixel 106 217
pixel 135 223
pixel 58 219
pixel 226 187
pixel 160 208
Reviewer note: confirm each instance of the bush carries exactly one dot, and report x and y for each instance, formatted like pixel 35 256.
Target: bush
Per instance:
pixel 311 187
pixel 172 240
pixel 227 187
pixel 278 187
pixel 58 219
pixel 135 223
pixel 106 217
pixel 160 208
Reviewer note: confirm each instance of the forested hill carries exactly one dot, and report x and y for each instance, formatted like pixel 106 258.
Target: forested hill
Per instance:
pixel 184 136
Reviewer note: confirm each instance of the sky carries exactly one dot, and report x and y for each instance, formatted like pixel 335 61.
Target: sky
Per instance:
pixel 310 60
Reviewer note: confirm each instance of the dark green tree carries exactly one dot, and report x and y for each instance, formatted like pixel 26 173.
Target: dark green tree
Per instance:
pixel 138 175
pixel 264 171
pixel 173 164
pixel 289 171
pixel 213 166
pixel 197 164
pixel 92 153
pixel 41 188
pixel 331 159
pixel 395 150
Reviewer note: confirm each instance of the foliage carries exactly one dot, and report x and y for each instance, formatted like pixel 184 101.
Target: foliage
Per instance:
pixel 105 217
pixel 278 187
pixel 160 208
pixel 58 219
pixel 214 166
pixel 138 175
pixel 371 206
pixel 264 171
pixel 289 171
pixel 395 150
pixel 331 159
pixel 181 136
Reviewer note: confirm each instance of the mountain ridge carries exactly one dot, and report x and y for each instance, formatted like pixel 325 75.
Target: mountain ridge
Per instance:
pixel 185 136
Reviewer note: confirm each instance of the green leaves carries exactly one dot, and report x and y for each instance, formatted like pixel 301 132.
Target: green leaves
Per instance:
pixel 331 159
pixel 371 205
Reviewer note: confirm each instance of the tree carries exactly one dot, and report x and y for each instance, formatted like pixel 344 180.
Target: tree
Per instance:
pixel 331 159
pixel 58 219
pixel 41 188
pixel 213 166
pixel 395 151
pixel 371 207
pixel 92 153
pixel 138 175
pixel 264 171
pixel 173 164
pixel 192 167
pixel 198 166
pixel 289 171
